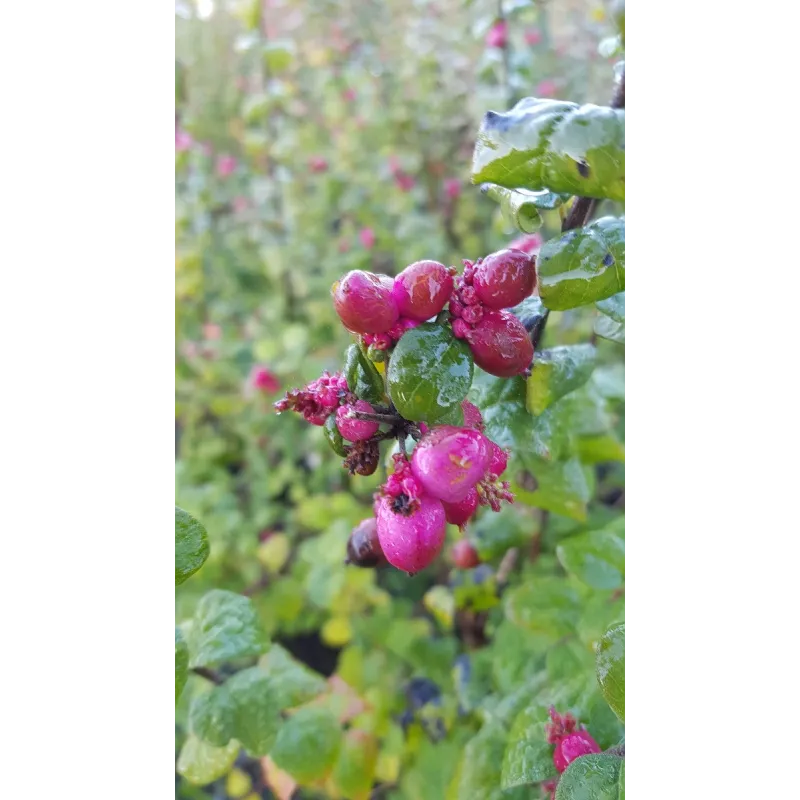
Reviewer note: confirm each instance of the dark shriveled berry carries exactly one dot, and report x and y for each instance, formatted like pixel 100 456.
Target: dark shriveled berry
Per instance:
pixel 505 278
pixel 363 547
pixel 500 345
pixel 362 458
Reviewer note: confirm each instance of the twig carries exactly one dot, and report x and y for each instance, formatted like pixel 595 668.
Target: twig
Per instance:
pixel 507 565
pixel 389 419
pixel 208 674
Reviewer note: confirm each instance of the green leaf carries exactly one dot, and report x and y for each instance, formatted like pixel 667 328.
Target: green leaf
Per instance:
pixel 600 449
pixel 517 207
pixel 256 710
pixel 557 486
pixel 430 371
pixel 598 776
pixel 508 423
pixel 528 757
pixel 293 682
pixel 355 766
pixel 226 628
pixel 363 379
pixel 494 534
pixel 308 744
pixel 557 372
pixel 597 558
pixel 482 764
pixel 610 322
pixel 584 265
pixel 181 663
pixel 333 437
pixel 191 545
pixel 278 55
pixel 553 145
pixel 545 605
pixel 211 716
pixel 201 763
pixel 611 668
pixel 532 314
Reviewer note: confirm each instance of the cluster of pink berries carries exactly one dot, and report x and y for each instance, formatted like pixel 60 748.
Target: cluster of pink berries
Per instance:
pixel 452 470
pixel 570 743
pixel 381 310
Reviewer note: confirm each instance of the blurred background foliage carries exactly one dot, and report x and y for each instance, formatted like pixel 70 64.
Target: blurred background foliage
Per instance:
pixel 314 137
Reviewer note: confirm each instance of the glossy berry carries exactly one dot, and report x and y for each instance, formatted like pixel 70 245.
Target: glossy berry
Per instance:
pixel 464 555
pixel 449 461
pixel 461 512
pixel 498 460
pixel 410 542
pixel 573 746
pixel 364 302
pixel 423 289
pixel 500 344
pixel 505 278
pixel 363 547
pixel 352 429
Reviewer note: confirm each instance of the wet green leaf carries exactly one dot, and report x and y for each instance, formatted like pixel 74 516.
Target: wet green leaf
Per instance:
pixel 517 206
pixel 430 371
pixel 556 372
pixel 354 770
pixel 584 265
pixel 610 322
pixel 201 763
pixel 597 558
pixel 226 628
pixel 191 545
pixel 553 145
pixel 308 744
pixel 256 710
pixel 528 757
pixel 598 776
pixel 600 449
pixel 546 605
pixel 293 682
pixel 558 486
pixel 611 668
pixel 181 663
pixel 494 534
pixel 211 716
pixel 363 379
pixel 333 437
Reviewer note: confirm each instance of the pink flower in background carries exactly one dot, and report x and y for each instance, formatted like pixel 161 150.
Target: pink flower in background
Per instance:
pixel 344 246
pixel 528 244
pixel 183 140
pixel 240 204
pixel 394 163
pixel 265 381
pixel 367 237
pixel 226 165
pixel 317 164
pixel 452 188
pixel 546 88
pixel 404 182
pixel 211 331
pixel 349 95
pixel 498 34
pixel 533 36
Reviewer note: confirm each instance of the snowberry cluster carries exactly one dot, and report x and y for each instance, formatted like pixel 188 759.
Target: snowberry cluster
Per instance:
pixel 569 743
pixel 499 342
pixel 453 469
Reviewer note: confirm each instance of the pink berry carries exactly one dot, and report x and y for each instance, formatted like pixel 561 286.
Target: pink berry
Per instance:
pixel 317 164
pixel 546 88
pixel 410 542
pixel 449 461
pixel 226 165
pixel 263 380
pixel 505 278
pixel 364 302
pixel 461 512
pixel 464 555
pixel 573 746
pixel 452 188
pixel 531 243
pixel 497 35
pixel 367 237
pixel 472 416
pixel 422 289
pixel 500 344
pixel 499 459
pixel 353 429
pixel 183 140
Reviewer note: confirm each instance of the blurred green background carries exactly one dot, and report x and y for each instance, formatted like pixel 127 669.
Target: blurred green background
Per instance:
pixel 314 137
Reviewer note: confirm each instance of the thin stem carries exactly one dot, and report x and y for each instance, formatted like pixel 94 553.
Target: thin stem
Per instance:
pixel 389 419
pixel 208 674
